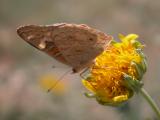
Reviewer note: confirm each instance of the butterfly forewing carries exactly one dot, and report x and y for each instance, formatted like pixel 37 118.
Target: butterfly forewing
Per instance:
pixel 41 38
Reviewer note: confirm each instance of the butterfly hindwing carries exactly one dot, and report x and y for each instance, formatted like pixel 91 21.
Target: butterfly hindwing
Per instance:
pixel 80 44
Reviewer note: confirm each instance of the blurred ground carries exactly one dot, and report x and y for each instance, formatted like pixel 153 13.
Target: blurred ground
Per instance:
pixel 22 66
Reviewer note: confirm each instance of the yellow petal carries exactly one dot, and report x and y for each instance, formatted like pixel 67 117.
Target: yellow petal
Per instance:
pixel 121 36
pixel 130 37
pixel 120 98
pixel 88 85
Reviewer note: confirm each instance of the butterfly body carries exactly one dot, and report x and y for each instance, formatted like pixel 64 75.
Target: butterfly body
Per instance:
pixel 71 44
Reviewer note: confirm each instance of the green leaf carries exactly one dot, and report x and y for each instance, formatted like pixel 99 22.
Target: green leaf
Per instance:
pixel 136 44
pixel 113 104
pixel 144 65
pixel 139 51
pixel 133 84
pixel 139 70
pixel 144 60
pixel 89 95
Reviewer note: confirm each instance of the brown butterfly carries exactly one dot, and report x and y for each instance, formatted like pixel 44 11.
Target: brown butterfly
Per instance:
pixel 71 44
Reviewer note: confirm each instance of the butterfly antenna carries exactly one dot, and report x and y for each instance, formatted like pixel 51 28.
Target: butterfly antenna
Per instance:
pixel 61 78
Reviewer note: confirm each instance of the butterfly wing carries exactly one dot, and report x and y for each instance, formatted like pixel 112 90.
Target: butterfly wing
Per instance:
pixel 80 44
pixel 41 38
pixel 72 44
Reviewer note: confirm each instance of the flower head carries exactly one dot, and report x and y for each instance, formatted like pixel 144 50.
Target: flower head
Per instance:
pixel 106 80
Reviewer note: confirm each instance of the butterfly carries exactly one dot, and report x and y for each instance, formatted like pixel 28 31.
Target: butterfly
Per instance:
pixel 76 45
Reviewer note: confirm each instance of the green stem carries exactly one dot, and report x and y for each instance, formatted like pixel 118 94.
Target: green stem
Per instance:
pixel 150 101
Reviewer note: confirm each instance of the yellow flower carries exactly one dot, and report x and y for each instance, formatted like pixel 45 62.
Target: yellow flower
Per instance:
pixel 47 81
pixel 106 79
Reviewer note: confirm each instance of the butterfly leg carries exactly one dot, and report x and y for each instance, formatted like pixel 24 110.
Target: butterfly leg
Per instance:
pixel 84 72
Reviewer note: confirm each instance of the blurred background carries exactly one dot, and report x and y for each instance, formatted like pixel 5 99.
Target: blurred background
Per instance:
pixel 23 68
